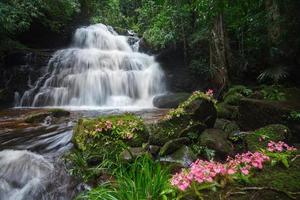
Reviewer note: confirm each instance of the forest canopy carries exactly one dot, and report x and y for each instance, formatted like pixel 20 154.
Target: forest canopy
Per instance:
pixel 253 36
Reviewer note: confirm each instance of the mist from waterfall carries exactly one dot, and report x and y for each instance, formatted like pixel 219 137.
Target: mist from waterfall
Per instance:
pixel 99 70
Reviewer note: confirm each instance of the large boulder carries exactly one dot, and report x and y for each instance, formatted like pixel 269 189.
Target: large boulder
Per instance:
pixel 216 139
pixel 258 113
pixel 171 100
pixel 190 118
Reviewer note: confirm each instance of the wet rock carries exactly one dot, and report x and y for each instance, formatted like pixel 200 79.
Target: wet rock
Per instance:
pixel 260 138
pixel 171 100
pixel 182 157
pixel 216 139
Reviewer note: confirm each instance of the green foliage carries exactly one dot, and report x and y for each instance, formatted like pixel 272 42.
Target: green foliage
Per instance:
pixel 235 93
pixel 294 116
pixel 17 15
pixel 273 92
pixel 143 179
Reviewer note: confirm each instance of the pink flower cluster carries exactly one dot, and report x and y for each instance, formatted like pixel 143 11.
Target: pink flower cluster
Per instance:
pixel 280 147
pixel 209 92
pixel 246 161
pixel 206 171
pixel 104 126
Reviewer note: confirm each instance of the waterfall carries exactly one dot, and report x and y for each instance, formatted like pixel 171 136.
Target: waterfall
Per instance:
pixel 99 69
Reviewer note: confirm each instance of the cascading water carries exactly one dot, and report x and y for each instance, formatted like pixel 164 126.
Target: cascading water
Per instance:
pixel 100 69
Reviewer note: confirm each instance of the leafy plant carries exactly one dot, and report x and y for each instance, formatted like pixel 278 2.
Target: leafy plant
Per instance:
pixel 294 116
pixel 274 93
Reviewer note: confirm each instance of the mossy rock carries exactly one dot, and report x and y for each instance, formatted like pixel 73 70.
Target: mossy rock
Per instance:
pixel 227 111
pixel 198 110
pixel 59 113
pixel 173 145
pixel 110 130
pixel 260 138
pixel 36 117
pixel 258 113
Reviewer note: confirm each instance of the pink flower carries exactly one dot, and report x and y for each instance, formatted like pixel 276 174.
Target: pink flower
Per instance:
pixel 245 171
pixel 209 92
pixel 279 147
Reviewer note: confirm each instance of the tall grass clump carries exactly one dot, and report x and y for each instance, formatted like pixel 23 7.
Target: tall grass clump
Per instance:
pixel 144 179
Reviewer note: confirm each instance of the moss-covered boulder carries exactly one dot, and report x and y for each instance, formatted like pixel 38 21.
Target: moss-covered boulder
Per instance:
pixel 258 113
pixel 110 132
pixel 191 117
pixel 216 139
pixel 260 138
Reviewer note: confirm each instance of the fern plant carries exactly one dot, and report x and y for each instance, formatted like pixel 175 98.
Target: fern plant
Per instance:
pixel 275 74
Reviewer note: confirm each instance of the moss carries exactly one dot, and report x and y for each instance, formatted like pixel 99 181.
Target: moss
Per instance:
pixel 286 179
pixel 227 111
pixel 36 117
pixel 260 138
pixel 185 106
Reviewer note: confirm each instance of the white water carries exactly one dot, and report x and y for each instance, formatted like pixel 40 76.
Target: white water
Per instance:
pixel 28 176
pixel 99 70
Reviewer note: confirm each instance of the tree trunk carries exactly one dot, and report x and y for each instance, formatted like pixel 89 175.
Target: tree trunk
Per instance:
pixel 219 55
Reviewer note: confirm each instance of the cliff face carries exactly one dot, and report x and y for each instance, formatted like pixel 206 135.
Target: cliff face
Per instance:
pixel 19 70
